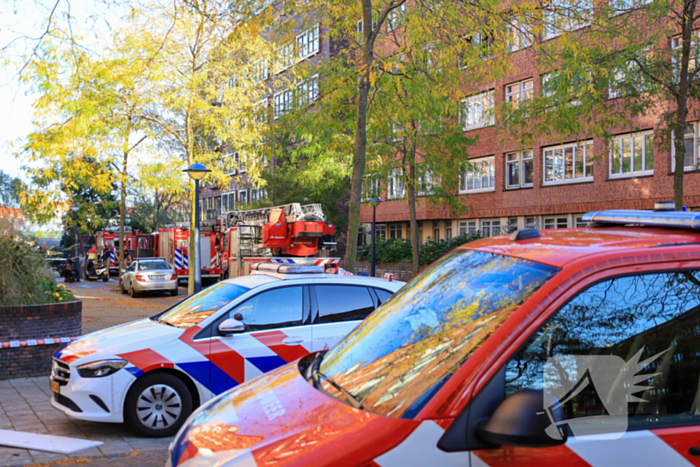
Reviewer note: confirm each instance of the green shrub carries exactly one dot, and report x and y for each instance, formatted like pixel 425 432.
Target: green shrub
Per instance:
pixel 25 278
pixel 399 250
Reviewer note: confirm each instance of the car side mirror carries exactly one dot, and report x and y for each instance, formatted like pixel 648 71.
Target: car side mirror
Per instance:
pixel 527 418
pixel 231 326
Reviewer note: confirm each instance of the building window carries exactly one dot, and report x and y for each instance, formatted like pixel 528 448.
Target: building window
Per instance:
pixel 632 155
pixel 286 56
pixel 531 222
pixel 308 43
pixel 520 91
pixel 307 92
pixel 519 36
pixel 568 163
pixel 519 169
pixel 490 228
pixel 479 176
pixel 260 71
pixel 231 162
pixel 436 231
pixel 228 201
pixel 477 111
pixel 448 232
pixel 283 103
pixel 690 141
pixel 380 231
pixel 395 186
pixel 467 227
pixel 371 187
pixel 243 197
pixel 257 194
pixel 425 184
pixel 578 221
pixel 395 230
pixel 623 6
pixel 396 17
pixel 512 224
pixel 260 111
pixel 677 46
pixel 556 222
pixel 562 15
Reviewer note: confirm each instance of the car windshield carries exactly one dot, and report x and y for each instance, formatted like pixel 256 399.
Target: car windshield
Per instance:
pixel 405 351
pixel 199 307
pixel 154 266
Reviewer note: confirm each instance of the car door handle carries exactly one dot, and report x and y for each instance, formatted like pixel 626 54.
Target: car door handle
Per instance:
pixel 694 451
pixel 293 340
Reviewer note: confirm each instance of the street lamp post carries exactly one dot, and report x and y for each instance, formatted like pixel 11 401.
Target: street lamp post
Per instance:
pixel 74 208
pixel 196 172
pixel 374 202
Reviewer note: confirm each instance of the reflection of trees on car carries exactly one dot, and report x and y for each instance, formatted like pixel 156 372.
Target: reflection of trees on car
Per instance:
pixel 424 336
pixel 650 313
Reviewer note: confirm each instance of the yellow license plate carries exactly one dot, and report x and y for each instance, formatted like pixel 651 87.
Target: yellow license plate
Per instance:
pixel 54 386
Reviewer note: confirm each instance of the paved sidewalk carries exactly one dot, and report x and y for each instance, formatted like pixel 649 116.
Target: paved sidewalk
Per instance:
pixel 25 406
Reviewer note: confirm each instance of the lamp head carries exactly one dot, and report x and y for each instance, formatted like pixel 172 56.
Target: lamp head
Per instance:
pixel 374 202
pixel 196 171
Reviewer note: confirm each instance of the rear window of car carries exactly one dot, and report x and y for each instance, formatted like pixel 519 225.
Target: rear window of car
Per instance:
pixel 154 266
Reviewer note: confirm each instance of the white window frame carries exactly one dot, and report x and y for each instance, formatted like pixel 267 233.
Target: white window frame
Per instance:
pixel 308 42
pixel 557 220
pixel 696 150
pixel 425 183
pixel 578 221
pixel 565 24
pixel 519 91
pixel 308 92
pixel 488 226
pixel 371 187
pixel 396 18
pixel 676 46
pixel 234 165
pixel 232 200
pixel 520 159
pixel 467 227
pixel 477 111
pixel 283 102
pixel 618 144
pixel 520 38
pixel 242 199
pixel 260 71
pixel 286 56
pixel 623 6
pixel 479 168
pixel 579 150
pixel 531 222
pixel 258 193
pixel 395 188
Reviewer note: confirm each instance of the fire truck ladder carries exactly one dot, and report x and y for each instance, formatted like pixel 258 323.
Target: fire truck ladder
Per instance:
pixel 293 212
pixel 250 240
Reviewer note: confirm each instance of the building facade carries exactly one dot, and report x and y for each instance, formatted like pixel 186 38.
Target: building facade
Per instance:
pixel 550 184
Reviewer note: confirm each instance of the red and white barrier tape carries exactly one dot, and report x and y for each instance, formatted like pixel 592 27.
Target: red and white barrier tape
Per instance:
pixel 35 342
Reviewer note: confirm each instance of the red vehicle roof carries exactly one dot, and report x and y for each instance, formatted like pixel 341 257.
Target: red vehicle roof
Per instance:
pixel 560 247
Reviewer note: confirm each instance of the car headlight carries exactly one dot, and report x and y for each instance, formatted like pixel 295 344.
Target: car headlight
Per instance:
pixel 101 368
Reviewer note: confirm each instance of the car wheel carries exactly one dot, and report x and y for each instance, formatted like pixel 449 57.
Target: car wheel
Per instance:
pixel 174 292
pixel 157 405
pixel 121 288
pixel 105 277
pixel 133 292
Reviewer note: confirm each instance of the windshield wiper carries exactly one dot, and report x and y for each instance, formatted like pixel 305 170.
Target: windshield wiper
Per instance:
pixel 353 400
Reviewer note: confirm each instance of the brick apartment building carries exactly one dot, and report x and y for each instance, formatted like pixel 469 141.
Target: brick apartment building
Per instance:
pixel 310 44
pixel 548 185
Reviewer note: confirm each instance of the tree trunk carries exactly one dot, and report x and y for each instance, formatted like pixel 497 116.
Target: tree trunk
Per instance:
pixel 360 155
pixel 411 186
pixel 682 102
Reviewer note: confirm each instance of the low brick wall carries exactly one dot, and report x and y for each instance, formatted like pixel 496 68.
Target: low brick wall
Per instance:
pixel 401 271
pixel 35 322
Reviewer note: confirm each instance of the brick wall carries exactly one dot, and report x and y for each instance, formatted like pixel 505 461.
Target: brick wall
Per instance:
pixel 35 322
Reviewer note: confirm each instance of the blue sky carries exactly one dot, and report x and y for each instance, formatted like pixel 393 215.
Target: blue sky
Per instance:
pixel 27 18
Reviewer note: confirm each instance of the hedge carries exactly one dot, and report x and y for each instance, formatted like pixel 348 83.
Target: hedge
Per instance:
pixel 398 250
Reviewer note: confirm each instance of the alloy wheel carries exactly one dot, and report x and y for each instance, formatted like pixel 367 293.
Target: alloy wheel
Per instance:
pixel 159 406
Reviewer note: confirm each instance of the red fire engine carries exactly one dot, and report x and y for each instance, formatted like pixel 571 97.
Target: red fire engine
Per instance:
pixel 138 244
pixel 290 233
pixel 174 246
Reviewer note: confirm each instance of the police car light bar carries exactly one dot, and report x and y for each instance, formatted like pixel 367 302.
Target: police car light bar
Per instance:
pixel 686 220
pixel 286 269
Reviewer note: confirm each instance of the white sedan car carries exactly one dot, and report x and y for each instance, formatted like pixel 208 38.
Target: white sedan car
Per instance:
pixel 152 373
pixel 149 275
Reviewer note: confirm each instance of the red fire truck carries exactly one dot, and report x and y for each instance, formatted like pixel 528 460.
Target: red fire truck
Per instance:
pixel 290 234
pixel 174 246
pixel 139 245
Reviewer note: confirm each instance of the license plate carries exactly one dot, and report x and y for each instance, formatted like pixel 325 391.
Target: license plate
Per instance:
pixel 157 277
pixel 55 386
